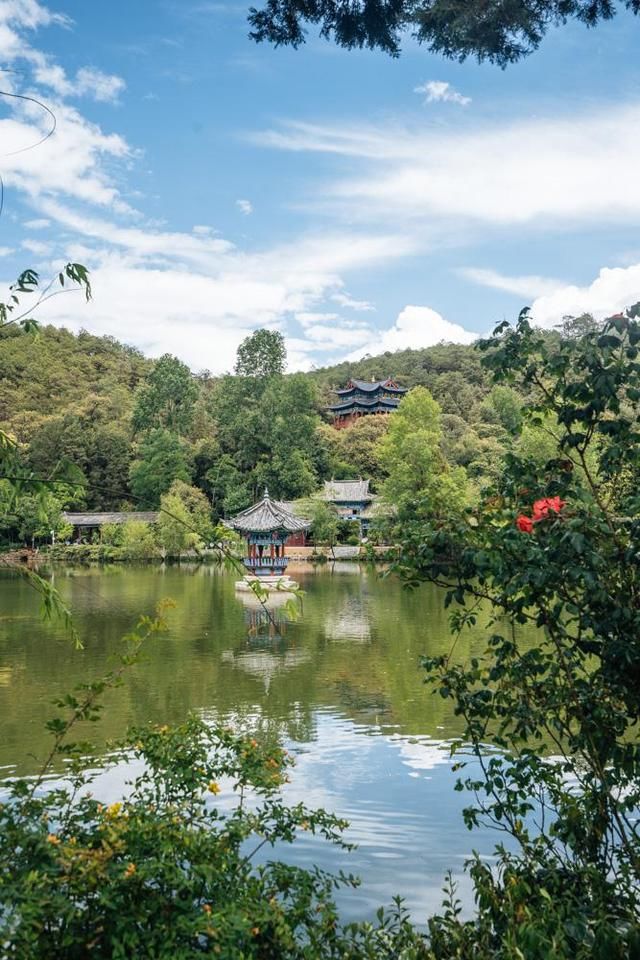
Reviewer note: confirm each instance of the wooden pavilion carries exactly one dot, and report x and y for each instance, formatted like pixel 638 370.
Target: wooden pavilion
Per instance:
pixel 266 526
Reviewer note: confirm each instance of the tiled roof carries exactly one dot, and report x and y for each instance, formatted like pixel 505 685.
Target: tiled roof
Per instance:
pixel 347 491
pixel 97 519
pixel 267 515
pixel 370 386
pixel 349 404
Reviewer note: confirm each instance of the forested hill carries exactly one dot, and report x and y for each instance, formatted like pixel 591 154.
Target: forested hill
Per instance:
pixel 133 426
pixel 451 372
pixel 56 372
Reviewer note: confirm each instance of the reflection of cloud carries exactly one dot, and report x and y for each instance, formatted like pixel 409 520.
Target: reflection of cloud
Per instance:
pixel 265 665
pixel 423 754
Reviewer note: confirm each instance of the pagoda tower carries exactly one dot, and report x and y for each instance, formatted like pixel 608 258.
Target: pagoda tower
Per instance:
pixel 361 398
pixel 266 526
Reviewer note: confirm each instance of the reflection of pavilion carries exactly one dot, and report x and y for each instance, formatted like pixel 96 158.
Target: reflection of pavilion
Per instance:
pixel 266 618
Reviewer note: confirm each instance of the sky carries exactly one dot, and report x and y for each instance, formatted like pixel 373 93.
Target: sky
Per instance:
pixel 355 202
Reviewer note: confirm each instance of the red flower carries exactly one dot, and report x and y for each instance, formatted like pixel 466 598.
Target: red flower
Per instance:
pixel 542 508
pixel 524 524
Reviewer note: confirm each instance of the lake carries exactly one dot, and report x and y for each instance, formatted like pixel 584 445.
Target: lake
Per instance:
pixel 342 687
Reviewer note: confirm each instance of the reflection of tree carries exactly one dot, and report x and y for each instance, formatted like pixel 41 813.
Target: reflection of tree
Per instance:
pixel 207 662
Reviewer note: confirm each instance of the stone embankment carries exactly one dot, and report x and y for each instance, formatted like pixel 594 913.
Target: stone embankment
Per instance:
pixel 22 557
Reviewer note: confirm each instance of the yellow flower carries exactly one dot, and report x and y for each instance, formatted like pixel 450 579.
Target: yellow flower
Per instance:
pixel 52 838
pixel 213 787
pixel 130 870
pixel 114 809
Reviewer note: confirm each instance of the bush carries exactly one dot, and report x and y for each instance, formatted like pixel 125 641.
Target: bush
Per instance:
pixel 554 546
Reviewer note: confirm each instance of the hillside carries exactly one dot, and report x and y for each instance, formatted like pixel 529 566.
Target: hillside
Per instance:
pixel 132 425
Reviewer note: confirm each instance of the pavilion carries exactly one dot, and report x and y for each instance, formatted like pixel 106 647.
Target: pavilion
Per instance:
pixel 361 398
pixel 266 526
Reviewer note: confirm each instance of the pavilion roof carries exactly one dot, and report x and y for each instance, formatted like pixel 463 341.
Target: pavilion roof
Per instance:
pixel 266 516
pixel 370 386
pixel 347 491
pixel 98 519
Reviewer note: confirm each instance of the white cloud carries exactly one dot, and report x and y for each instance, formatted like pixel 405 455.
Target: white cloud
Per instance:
pixel 437 91
pixel 5 251
pixel 37 247
pixel 39 224
pixel 344 300
pixel 528 286
pixel 69 163
pixel 18 16
pixel 546 172
pixel 613 289
pixel 245 207
pixel 415 327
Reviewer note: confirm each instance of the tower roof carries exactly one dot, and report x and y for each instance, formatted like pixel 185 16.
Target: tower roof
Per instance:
pixel 267 516
pixel 371 386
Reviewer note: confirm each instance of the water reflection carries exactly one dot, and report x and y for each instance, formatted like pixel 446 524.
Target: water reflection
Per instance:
pixel 342 686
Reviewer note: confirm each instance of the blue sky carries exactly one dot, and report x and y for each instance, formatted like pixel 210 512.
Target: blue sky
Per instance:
pixel 355 202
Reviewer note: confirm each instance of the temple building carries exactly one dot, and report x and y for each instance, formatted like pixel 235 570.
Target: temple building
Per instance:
pixel 266 526
pixel 360 398
pixel 352 499
pixel 85 525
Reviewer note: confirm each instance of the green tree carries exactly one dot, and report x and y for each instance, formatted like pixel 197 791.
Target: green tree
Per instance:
pixel 107 465
pixel 417 474
pixel 262 354
pixel 554 546
pixel 167 399
pixel 324 521
pixel 162 457
pixel 137 540
pixel 31 517
pixel 499 32
pixel 185 519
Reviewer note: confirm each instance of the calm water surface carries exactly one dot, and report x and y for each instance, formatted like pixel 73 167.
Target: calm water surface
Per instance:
pixel 342 687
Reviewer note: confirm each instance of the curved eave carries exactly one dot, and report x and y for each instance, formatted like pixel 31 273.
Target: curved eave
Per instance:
pixel 364 405
pixel 266 517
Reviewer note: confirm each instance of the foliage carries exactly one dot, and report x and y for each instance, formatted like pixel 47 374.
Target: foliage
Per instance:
pixel 324 520
pixel 162 457
pixel 352 451
pixel 555 546
pixel 167 398
pixel 418 478
pixel 171 870
pixel 185 520
pixel 137 540
pixel 31 516
pixel 263 354
pixel 498 32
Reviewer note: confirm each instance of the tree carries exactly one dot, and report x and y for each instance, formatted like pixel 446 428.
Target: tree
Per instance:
pixel 554 546
pixel 167 399
pixel 185 519
pixel 137 540
pixel 263 354
pixel 496 31
pixel 417 474
pixel 324 521
pixel 162 458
